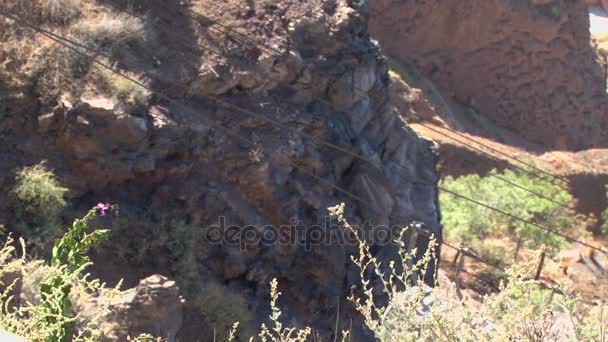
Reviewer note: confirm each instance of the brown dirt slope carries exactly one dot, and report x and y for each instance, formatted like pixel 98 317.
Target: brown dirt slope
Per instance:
pixel 527 65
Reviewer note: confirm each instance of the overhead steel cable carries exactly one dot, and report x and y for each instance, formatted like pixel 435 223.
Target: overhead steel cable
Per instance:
pixel 117 7
pixel 567 206
pixel 204 21
pixel 484 152
pixel 63 40
pixel 517 218
pixel 278 53
pixel 561 204
pixel 532 166
pixel 50 36
pixel 469 254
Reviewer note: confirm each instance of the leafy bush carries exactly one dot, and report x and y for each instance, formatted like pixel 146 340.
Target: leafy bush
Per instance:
pixel 53 318
pixel 220 308
pixel 605 223
pixel 38 199
pixel 39 192
pixel 495 251
pixel 466 221
pixel 522 310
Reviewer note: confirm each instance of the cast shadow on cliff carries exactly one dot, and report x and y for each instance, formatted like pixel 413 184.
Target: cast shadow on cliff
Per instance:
pixel 169 52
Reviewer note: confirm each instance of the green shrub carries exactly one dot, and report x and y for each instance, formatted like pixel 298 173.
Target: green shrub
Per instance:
pixel 494 251
pixel 466 221
pixel 38 200
pixel 605 223
pixel 39 192
pixel 220 308
pixel 52 319
pixel 522 310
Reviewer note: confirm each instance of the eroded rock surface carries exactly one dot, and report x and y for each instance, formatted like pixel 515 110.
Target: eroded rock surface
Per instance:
pixel 278 148
pixel 527 65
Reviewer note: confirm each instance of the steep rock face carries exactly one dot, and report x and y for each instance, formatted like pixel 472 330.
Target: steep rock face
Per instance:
pixel 527 65
pixel 277 148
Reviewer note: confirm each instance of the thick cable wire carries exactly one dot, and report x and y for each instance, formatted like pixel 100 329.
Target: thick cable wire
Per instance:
pixel 62 40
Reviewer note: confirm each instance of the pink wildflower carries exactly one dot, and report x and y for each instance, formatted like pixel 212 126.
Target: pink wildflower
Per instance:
pixel 102 207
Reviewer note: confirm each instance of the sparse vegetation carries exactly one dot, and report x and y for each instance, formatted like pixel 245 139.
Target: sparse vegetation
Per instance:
pixel 52 319
pixel 277 332
pixel 121 87
pixel 470 223
pixel 59 69
pixel 60 11
pixel 521 310
pixel 110 31
pixel 605 223
pixel 410 311
pixel 142 235
pixel 38 200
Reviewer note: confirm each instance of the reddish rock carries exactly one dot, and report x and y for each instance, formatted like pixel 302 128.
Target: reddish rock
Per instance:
pixel 527 65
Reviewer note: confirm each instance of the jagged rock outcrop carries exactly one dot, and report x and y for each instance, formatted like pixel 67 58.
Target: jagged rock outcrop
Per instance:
pixel 527 65
pixel 154 307
pixel 303 101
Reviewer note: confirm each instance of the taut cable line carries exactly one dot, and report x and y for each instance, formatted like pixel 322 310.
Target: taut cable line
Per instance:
pixel 210 23
pixel 63 40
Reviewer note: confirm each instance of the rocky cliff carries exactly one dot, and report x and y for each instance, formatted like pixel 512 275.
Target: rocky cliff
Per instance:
pixel 254 119
pixel 527 65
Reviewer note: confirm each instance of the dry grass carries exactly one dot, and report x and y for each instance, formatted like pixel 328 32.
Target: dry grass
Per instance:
pixel 114 84
pixel 57 69
pixel 60 11
pixel 110 30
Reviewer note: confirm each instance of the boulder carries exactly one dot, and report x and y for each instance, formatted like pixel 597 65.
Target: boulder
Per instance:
pixel 154 307
pixel 127 129
pixel 6 336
